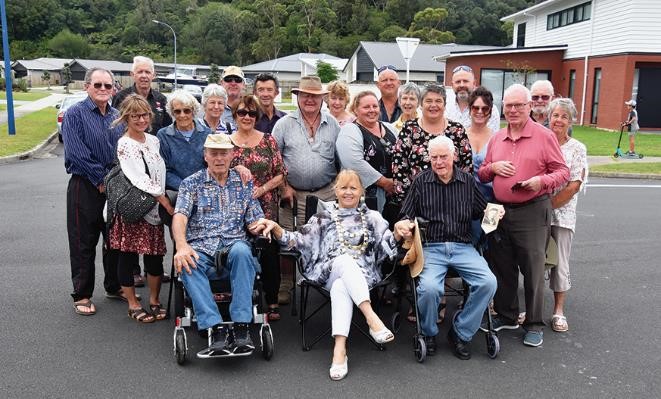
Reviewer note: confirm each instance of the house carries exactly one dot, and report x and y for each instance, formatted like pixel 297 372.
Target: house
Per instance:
pixel 292 67
pixel 600 53
pixel 121 70
pixel 32 70
pixel 369 56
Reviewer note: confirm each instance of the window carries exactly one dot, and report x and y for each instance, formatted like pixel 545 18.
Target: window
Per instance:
pixel 572 83
pixel 595 95
pixel 497 80
pixel 521 35
pixel 569 16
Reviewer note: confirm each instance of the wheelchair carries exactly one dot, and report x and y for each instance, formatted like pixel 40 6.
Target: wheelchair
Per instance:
pixel 411 296
pixel 185 317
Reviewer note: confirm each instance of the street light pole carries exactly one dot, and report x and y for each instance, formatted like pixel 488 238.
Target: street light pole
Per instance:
pixel 175 49
pixel 11 126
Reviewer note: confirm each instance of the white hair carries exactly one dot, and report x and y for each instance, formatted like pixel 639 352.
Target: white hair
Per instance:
pixel 185 98
pixel 542 85
pixel 138 59
pixel 213 90
pixel 441 141
pixel 517 87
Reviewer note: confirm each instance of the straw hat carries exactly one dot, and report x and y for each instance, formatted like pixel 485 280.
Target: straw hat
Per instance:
pixel 414 256
pixel 218 141
pixel 310 85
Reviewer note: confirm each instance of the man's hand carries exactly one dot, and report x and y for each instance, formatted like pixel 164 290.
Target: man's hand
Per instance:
pixel 102 188
pixel 288 193
pixel 404 229
pixel 244 173
pixel 503 168
pixel 185 258
pixel 532 184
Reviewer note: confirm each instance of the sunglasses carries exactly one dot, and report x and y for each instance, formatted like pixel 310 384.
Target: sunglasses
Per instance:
pixel 98 85
pixel 462 68
pixel 243 112
pixel 137 117
pixel 186 111
pixel 544 97
pixel 384 67
pixel 483 110
pixel 232 79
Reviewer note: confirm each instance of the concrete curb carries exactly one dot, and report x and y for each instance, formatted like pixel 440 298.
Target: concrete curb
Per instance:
pixel 29 154
pixel 617 175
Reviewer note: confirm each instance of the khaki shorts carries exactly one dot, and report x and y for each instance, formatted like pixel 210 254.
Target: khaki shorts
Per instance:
pixel 286 216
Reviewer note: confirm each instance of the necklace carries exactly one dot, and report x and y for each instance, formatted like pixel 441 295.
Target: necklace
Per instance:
pixel 311 126
pixel 344 236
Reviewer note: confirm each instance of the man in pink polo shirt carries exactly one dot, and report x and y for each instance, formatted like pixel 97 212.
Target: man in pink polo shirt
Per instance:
pixel 525 163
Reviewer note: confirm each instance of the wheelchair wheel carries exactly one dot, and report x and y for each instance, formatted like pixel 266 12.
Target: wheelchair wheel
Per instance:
pixel 266 336
pixel 178 299
pixel 419 348
pixel 180 350
pixel 395 322
pixel 493 345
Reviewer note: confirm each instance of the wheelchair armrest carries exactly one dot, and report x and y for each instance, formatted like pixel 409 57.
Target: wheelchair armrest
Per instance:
pixel 260 243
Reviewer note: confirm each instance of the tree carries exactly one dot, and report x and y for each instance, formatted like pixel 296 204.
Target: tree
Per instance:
pixel 214 74
pixel 326 72
pixel 46 78
pixel 68 45
pixel 66 77
pixel 427 25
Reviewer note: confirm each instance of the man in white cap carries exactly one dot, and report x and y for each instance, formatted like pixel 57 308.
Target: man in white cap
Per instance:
pixel 233 81
pixel 213 210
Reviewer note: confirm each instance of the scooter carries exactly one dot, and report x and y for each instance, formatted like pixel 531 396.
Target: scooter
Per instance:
pixel 618 152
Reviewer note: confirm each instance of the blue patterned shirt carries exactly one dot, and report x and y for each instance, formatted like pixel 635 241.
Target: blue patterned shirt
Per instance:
pixel 217 215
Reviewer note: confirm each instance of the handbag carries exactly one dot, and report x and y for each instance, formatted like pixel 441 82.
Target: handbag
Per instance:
pixel 126 199
pixel 551 254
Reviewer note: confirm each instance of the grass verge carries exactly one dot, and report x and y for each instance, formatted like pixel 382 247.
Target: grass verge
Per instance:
pixel 29 96
pixel 31 130
pixel 601 142
pixel 646 168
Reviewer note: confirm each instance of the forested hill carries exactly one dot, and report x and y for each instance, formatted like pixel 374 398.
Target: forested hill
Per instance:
pixel 244 31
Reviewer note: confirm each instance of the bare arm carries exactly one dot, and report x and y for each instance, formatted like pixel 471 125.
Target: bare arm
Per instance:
pixel 566 194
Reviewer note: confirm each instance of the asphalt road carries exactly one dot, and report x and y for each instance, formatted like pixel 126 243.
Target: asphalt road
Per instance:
pixel 611 350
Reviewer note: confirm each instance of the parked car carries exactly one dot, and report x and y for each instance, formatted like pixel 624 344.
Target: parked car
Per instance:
pixel 195 90
pixel 67 102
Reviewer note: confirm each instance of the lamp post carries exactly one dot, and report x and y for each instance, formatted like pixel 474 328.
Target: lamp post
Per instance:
pixel 175 49
pixel 407 46
pixel 11 126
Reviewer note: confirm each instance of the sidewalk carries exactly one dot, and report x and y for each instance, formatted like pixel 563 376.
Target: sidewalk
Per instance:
pixel 32 106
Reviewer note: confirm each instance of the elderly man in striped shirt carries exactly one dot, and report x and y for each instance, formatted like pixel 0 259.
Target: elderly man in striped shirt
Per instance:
pixel 449 199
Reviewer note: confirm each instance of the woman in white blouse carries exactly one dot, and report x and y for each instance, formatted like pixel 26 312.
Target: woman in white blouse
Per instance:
pixel 140 160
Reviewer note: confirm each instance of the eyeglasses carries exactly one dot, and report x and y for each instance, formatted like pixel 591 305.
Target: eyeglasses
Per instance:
pixel 99 85
pixel 186 111
pixel 232 79
pixel 462 68
pixel 544 97
pixel 243 112
pixel 384 67
pixel 517 107
pixel 137 117
pixel 483 110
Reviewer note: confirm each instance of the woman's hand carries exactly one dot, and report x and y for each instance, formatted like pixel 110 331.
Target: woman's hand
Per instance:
pixel 258 192
pixel 271 227
pixel 165 203
pixel 404 229
pixel 244 173
pixel 388 185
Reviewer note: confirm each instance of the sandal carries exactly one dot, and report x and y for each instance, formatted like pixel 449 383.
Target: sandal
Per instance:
pixel 273 314
pixel 559 323
pixel 383 336
pixel 78 307
pixel 140 315
pixel 158 312
pixel 339 371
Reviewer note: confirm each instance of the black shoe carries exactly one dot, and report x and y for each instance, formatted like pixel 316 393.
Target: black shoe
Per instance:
pixel 242 341
pixel 460 348
pixel 430 343
pixel 221 340
pixel 500 323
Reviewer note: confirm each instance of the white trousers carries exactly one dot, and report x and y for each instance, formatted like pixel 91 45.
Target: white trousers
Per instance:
pixel 347 286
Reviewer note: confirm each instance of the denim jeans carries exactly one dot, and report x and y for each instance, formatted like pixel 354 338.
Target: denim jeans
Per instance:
pixel 472 268
pixel 241 269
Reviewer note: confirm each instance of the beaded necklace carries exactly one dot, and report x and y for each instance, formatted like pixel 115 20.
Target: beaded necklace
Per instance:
pixel 343 236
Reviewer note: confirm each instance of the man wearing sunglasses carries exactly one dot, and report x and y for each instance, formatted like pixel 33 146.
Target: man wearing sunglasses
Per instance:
pixel 388 84
pixel 233 81
pixel 542 94
pixel 463 84
pixel 89 150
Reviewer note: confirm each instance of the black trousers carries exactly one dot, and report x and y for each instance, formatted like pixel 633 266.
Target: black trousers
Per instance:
pixel 84 226
pixel 153 266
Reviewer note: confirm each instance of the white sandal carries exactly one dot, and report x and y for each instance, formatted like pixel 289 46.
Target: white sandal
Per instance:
pixel 382 336
pixel 559 323
pixel 339 371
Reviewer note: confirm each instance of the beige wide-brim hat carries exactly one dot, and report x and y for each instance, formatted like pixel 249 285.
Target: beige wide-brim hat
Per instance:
pixel 415 257
pixel 219 141
pixel 310 85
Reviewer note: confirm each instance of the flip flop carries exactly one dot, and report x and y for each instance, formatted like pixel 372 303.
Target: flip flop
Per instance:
pixel 118 295
pixel 84 303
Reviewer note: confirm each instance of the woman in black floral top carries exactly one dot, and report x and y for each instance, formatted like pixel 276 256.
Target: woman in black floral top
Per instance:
pixel 410 155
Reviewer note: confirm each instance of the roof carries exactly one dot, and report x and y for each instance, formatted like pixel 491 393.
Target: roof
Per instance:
pixel 44 63
pixel 290 63
pixel 337 64
pixel 501 50
pixel 387 53
pixel 195 66
pixel 528 10
pixel 107 64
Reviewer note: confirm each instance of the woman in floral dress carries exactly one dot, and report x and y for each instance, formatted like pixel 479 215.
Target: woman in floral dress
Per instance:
pixel 260 154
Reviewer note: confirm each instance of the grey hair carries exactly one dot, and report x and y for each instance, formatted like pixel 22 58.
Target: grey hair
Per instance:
pixel 408 88
pixel 90 72
pixel 542 84
pixel 433 88
pixel 565 104
pixel 185 98
pixel 518 87
pixel 213 90
pixel 138 59
pixel 443 142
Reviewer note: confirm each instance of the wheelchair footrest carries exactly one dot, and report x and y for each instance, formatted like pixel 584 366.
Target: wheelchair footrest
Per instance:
pixel 208 353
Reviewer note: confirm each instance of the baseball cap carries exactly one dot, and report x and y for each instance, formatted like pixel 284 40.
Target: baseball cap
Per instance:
pixel 233 70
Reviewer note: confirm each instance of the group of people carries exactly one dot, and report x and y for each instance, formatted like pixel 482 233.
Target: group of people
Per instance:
pixel 219 171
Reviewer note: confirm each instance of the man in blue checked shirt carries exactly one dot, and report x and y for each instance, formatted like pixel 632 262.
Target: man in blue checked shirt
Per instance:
pixel 213 210
pixel 89 150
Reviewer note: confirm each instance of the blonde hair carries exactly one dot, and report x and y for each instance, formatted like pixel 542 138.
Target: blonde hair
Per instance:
pixel 132 104
pixel 356 100
pixel 340 89
pixel 346 175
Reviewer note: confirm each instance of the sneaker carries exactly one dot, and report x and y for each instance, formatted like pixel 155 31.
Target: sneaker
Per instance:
pixel 430 343
pixel 221 340
pixel 242 340
pixel 533 338
pixel 498 323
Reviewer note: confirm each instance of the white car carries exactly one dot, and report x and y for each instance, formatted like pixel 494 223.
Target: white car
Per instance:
pixel 195 90
pixel 67 102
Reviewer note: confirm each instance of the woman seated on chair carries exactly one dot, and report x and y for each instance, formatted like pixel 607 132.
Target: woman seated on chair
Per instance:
pixel 342 248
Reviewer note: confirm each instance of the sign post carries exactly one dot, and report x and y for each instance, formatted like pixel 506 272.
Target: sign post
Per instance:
pixel 407 46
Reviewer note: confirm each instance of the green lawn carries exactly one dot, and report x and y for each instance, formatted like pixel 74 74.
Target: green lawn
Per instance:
pixel 29 96
pixel 601 142
pixel 31 130
pixel 648 168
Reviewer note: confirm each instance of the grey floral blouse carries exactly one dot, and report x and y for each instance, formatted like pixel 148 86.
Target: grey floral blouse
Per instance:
pixel 319 246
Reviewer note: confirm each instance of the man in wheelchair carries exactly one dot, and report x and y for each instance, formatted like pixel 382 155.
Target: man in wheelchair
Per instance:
pixel 449 199
pixel 213 210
